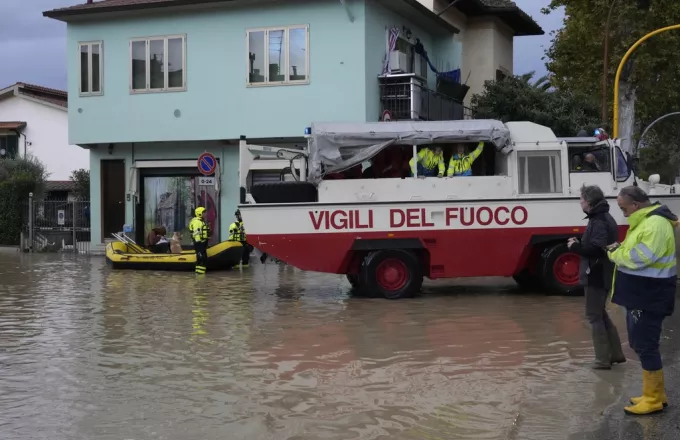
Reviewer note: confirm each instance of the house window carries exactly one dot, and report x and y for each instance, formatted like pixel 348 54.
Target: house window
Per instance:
pixel 9 146
pixel 278 56
pixel 158 64
pixel 90 68
pixel 539 172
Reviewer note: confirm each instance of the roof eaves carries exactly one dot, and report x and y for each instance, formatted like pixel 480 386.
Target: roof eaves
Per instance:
pixel 102 8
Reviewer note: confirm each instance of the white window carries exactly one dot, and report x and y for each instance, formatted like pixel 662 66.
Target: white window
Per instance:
pixel 90 68
pixel 277 56
pixel 158 64
pixel 540 172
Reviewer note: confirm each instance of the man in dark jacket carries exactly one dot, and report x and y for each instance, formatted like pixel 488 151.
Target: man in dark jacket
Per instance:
pixel 596 273
pixel 645 284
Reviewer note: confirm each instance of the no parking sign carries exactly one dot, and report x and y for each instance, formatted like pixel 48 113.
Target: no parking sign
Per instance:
pixel 207 164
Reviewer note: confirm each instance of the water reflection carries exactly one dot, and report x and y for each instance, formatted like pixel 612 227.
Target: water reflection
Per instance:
pixel 274 353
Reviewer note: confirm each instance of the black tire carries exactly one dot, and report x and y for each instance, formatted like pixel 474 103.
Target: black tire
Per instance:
pixel 284 192
pixel 559 271
pixel 392 274
pixel 528 281
pixel 353 280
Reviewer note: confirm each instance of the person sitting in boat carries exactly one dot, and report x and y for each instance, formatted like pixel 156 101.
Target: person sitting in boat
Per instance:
pixel 156 241
pixel 461 163
pixel 430 163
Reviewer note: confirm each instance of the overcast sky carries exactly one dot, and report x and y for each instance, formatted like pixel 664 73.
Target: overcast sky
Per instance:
pixel 33 48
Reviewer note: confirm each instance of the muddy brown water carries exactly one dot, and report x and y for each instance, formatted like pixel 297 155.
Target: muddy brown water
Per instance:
pixel 275 353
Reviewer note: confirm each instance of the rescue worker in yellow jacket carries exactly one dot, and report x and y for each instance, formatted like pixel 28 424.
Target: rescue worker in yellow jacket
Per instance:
pixel 430 163
pixel 200 232
pixel 645 284
pixel 461 163
pixel 237 232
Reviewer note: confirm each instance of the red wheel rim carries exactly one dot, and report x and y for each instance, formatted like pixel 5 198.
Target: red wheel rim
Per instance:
pixel 392 274
pixel 566 269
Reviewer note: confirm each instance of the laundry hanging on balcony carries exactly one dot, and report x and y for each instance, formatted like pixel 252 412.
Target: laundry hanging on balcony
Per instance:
pixel 452 75
pixel 392 43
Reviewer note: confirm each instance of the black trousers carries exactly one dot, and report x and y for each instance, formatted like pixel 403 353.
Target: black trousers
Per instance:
pixel 201 248
pixel 644 334
pixel 247 249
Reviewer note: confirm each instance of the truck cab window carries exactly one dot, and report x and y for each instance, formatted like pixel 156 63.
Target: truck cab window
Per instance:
pixel 622 171
pixel 540 172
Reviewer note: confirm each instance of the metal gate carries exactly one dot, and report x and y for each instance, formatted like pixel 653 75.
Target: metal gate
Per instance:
pixel 57 226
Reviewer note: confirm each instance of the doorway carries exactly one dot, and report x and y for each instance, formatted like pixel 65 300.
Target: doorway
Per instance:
pixel 113 196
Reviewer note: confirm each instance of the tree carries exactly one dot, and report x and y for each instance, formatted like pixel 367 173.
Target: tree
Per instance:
pixel 517 98
pixel 576 60
pixel 18 178
pixel 81 178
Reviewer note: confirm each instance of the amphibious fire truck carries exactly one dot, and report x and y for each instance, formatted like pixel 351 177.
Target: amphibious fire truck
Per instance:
pixel 512 218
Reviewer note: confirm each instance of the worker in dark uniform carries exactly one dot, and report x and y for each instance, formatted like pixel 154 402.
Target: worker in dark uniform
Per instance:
pixel 200 231
pixel 237 232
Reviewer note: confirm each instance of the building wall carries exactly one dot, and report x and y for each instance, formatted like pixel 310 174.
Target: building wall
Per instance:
pixel 47 131
pixel 378 20
pixel 226 154
pixel 217 103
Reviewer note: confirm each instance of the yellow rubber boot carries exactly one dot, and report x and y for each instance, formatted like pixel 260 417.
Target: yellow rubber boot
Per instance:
pixel 652 390
pixel 664 398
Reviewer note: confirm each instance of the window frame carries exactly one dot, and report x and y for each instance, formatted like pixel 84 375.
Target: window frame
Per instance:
pixel 90 77
pixel 286 62
pixel 555 172
pixel 166 88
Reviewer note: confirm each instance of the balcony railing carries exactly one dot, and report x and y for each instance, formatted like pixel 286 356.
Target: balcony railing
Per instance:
pixel 407 98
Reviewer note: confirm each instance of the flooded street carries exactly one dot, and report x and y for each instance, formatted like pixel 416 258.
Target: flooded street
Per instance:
pixel 274 353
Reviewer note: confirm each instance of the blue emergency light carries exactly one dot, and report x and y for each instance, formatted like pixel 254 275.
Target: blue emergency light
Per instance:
pixel 308 131
pixel 597 132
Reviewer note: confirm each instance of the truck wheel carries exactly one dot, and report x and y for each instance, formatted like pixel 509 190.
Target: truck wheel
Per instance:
pixel 560 271
pixel 528 281
pixel 353 280
pixel 392 274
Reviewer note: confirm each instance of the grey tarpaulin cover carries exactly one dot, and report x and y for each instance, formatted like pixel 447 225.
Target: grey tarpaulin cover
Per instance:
pixel 339 146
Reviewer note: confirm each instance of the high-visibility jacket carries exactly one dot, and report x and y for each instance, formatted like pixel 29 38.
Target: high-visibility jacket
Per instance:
pixel 646 267
pixel 237 232
pixel 199 230
pixel 462 165
pixel 430 160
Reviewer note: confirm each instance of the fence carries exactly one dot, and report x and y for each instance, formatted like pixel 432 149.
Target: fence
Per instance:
pixel 56 225
pixel 414 101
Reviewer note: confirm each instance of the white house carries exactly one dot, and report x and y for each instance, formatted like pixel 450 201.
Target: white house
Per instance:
pixel 34 121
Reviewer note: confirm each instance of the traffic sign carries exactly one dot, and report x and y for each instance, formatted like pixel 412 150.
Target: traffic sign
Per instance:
pixel 61 217
pixel 207 164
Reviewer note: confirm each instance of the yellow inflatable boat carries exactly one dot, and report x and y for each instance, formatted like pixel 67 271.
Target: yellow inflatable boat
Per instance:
pixel 120 255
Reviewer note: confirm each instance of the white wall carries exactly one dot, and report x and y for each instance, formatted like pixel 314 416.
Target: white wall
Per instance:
pixel 47 131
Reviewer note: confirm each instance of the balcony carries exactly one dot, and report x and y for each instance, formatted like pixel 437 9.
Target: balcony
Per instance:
pixel 406 97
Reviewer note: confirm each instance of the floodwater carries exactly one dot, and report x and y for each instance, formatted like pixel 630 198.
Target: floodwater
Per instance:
pixel 275 353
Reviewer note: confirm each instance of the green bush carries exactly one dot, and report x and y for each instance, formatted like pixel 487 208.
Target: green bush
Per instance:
pixel 10 215
pixel 18 178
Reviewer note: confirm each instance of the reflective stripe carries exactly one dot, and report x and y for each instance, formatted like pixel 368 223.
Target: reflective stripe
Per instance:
pixel 651 272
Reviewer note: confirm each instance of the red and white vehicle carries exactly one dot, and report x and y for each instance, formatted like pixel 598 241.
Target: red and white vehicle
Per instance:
pixel 386 234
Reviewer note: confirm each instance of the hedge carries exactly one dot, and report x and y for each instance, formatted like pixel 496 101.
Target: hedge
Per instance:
pixel 10 214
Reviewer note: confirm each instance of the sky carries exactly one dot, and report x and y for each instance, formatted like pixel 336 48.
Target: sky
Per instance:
pixel 33 48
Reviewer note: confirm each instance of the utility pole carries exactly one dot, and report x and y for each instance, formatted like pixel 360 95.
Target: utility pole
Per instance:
pixel 605 62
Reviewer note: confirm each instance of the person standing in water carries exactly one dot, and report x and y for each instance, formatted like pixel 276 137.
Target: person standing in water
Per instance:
pixel 595 273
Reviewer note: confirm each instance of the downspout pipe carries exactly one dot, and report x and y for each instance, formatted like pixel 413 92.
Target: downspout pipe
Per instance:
pixel 25 142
